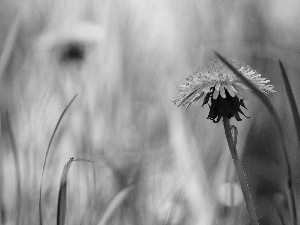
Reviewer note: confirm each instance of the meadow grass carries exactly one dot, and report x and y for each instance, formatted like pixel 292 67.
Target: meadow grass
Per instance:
pixel 153 163
pixel 275 116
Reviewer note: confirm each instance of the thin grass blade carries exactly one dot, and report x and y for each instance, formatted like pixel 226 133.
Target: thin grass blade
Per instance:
pixel 62 196
pixel 256 91
pixel 114 204
pixel 46 156
pixel 10 42
pixel 17 165
pixel 291 98
pixel 82 160
pixel 276 119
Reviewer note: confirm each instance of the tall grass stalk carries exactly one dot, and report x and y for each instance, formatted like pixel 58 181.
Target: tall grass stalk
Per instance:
pixel 275 117
pixel 295 113
pixel 231 136
pixel 10 42
pixel 291 98
pixel 62 195
pixel 17 166
pixel 46 156
pixel 1 174
pixel 5 57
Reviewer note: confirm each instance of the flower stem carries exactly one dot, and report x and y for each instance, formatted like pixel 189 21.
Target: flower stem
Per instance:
pixel 231 139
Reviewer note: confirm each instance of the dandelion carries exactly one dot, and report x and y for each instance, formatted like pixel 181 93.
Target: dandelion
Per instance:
pixel 225 93
pixel 216 85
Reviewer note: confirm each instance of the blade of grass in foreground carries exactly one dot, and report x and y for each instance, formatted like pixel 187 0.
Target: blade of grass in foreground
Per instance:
pixel 276 119
pixel 291 98
pixel 231 133
pixel 62 196
pixel 49 145
pixel 17 165
pixel 114 204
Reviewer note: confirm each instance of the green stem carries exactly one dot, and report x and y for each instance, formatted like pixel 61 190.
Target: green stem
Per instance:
pixel 240 172
pixel 275 116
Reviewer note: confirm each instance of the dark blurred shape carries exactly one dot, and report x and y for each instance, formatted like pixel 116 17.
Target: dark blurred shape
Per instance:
pixel 265 169
pixel 73 52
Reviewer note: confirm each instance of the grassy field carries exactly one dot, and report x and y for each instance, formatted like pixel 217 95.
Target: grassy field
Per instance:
pixel 139 159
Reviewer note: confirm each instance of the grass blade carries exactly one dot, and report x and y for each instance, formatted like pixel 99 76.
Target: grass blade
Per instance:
pixel 5 57
pixel 44 165
pixel 171 213
pixel 17 165
pixel 291 98
pixel 231 135
pixel 256 91
pixel 276 119
pixel 114 204
pixel 82 160
pixel 10 42
pixel 62 196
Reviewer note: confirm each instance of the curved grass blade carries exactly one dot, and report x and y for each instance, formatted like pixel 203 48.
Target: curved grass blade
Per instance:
pixel 276 119
pixel 62 196
pixel 10 42
pixel 5 57
pixel 256 91
pixel 79 159
pixel 44 165
pixel 114 204
pixel 291 98
pixel 17 165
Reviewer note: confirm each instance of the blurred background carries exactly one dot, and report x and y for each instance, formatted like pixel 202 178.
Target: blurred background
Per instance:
pixel 124 59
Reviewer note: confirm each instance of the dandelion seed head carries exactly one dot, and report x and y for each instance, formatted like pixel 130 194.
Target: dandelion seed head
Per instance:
pixel 216 85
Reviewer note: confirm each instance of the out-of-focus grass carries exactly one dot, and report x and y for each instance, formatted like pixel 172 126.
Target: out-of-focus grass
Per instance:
pixel 276 119
pixel 17 166
pixel 124 115
pixel 46 157
pixel 62 194
pixel 291 98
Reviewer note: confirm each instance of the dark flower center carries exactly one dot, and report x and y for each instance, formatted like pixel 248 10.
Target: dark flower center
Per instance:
pixel 220 107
